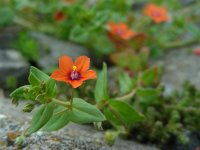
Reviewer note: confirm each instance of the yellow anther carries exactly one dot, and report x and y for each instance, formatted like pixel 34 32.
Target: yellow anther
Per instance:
pixel 74 68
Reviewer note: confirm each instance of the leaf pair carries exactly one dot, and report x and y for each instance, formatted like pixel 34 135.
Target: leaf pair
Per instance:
pixel 49 120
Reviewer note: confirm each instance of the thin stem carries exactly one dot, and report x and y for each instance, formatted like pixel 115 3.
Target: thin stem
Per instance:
pixel 60 112
pixel 60 102
pixel 127 96
pixel 72 96
pixel 180 43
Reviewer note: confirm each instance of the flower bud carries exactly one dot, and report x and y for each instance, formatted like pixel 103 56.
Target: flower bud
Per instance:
pixel 20 140
pixel 28 107
pixel 110 137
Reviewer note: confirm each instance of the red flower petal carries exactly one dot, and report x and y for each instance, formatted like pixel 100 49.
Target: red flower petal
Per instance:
pixel 157 13
pixel 76 83
pixel 82 63
pixel 65 64
pixel 90 74
pixel 59 75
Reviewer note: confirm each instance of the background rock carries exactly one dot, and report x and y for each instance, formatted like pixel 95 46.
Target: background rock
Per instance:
pixel 180 65
pixel 53 48
pixel 12 64
pixel 8 35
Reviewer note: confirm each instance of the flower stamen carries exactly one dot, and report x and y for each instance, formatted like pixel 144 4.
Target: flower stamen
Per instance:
pixel 74 68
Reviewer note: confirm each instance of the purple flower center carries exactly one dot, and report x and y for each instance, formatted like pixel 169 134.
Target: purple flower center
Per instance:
pixel 156 14
pixel 74 75
pixel 119 31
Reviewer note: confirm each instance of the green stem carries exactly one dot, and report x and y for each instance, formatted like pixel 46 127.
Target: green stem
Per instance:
pixel 180 43
pixel 127 96
pixel 61 102
pixel 72 96
pixel 60 112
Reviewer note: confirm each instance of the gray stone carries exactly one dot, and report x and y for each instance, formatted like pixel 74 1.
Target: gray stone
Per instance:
pixel 72 137
pixel 8 35
pixel 180 65
pixel 53 48
pixel 12 64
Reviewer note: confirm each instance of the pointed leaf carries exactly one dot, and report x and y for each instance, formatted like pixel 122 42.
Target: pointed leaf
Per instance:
pixel 33 80
pixel 51 88
pixel 58 120
pixel 84 112
pixel 148 96
pixel 150 76
pixel 22 93
pixel 41 117
pixel 121 113
pixel 39 74
pixel 125 83
pixel 101 89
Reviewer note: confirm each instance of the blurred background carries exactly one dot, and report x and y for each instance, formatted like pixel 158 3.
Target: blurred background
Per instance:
pixel 146 44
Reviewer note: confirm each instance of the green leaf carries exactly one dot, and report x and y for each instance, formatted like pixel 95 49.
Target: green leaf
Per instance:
pixel 79 34
pixel 58 120
pixel 38 74
pixel 150 76
pixel 121 113
pixel 6 15
pixel 22 93
pixel 125 83
pixel 101 89
pixel 41 117
pixel 83 112
pixel 41 98
pixel 51 88
pixel 33 80
pixel 148 96
pixel 127 59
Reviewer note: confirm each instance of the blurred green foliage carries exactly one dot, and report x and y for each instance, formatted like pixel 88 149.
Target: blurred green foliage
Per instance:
pixel 6 15
pixel 27 46
pixel 11 82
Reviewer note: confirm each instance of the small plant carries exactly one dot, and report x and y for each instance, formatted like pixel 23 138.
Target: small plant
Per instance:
pixel 54 113
pixel 127 38
pixel 167 117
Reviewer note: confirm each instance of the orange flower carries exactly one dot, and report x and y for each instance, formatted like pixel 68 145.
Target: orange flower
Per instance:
pixel 120 30
pixel 156 13
pixel 59 16
pixel 74 73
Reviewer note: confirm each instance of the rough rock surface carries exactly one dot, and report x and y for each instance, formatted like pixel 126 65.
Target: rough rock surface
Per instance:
pixel 8 35
pixel 53 48
pixel 12 64
pixel 72 137
pixel 180 65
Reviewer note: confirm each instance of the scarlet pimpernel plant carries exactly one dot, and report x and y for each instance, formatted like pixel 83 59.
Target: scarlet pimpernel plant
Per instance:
pixel 120 30
pixel 158 14
pixel 74 73
pixel 53 113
